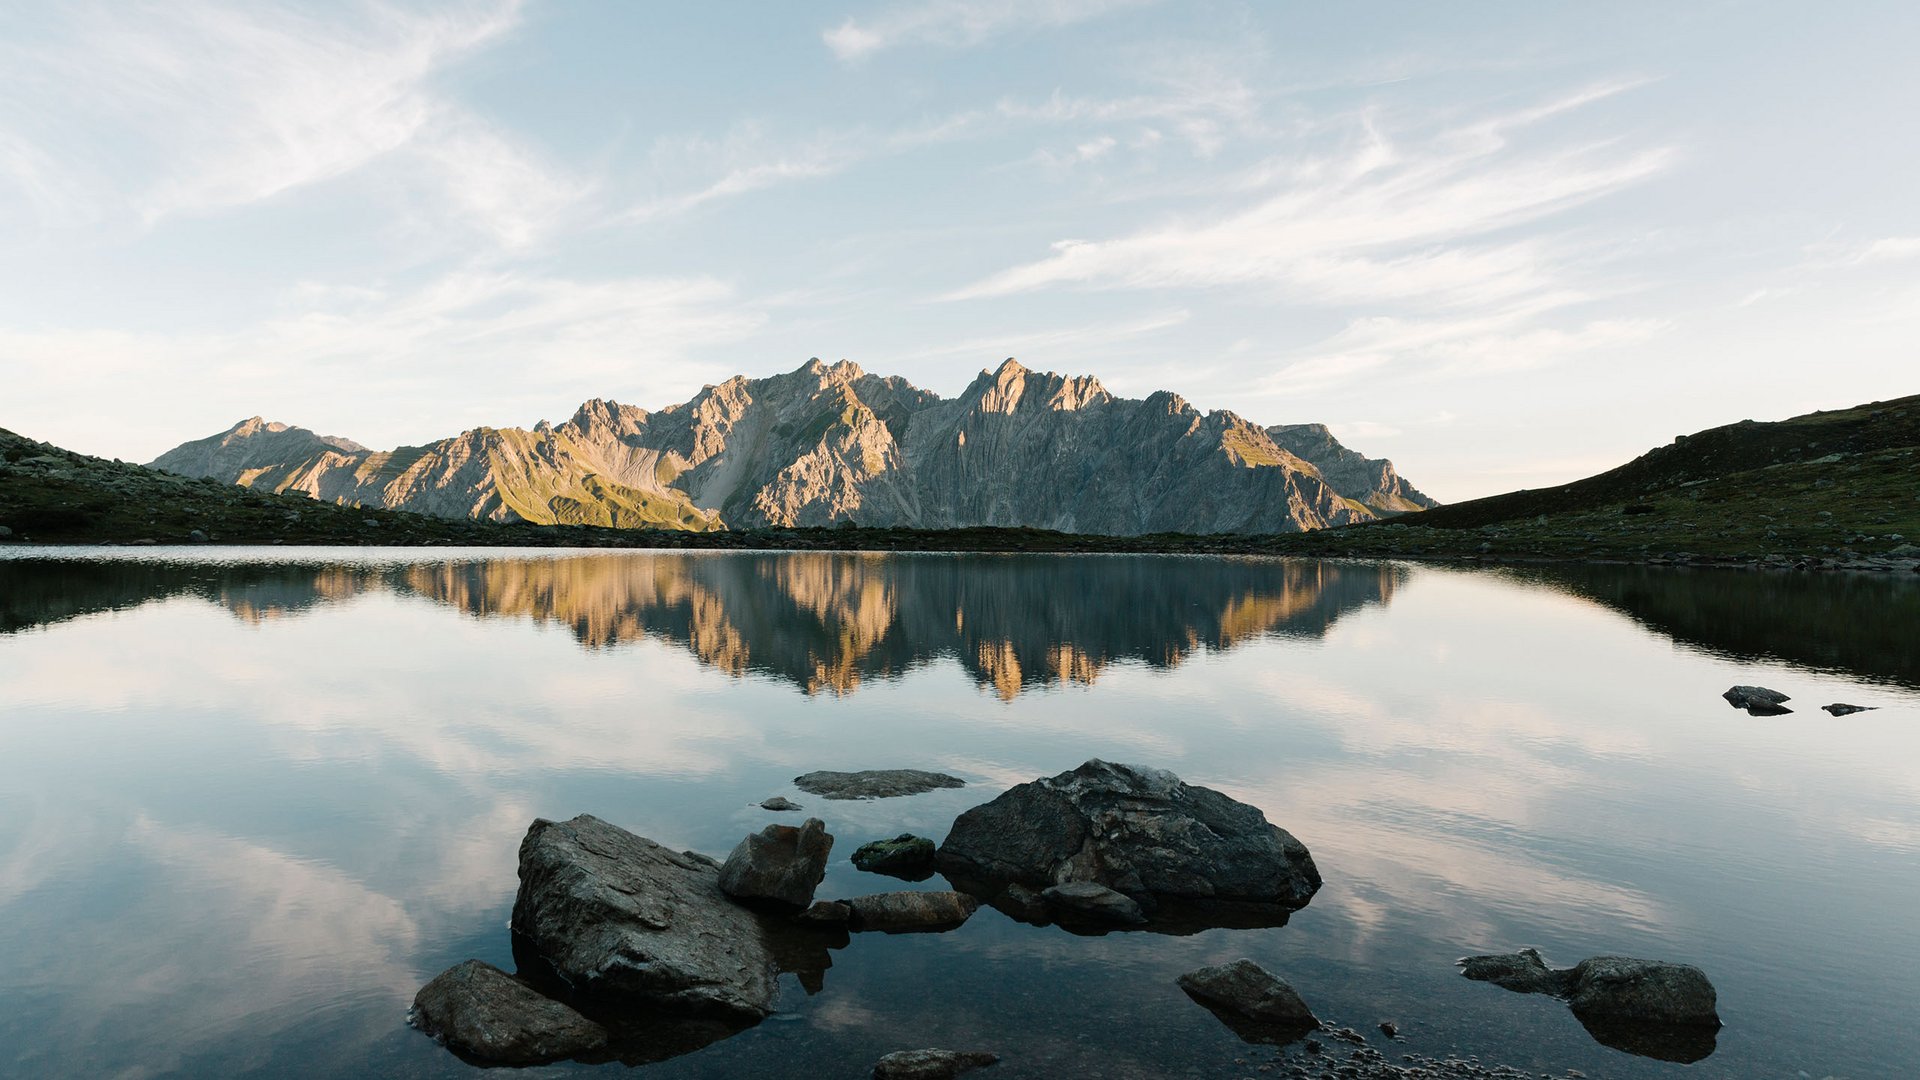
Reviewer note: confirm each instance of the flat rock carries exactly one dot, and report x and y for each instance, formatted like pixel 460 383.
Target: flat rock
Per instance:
pixel 483 1013
pixel 1843 709
pixel 930 1064
pixel 1620 988
pixel 1187 855
pixel 1256 1003
pixel 906 856
pixel 616 914
pixel 874 783
pixel 911 912
pixel 780 863
pixel 1757 700
pixel 779 803
pixel 1093 901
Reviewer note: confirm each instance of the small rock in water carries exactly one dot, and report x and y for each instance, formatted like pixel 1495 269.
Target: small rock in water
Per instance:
pixel 1093 901
pixel 1757 700
pixel 911 912
pixel 1248 991
pixel 874 783
pixel 1390 1029
pixel 779 802
pixel 485 1013
pixel 1842 709
pixel 779 863
pixel 906 856
pixel 930 1064
pixel 1646 991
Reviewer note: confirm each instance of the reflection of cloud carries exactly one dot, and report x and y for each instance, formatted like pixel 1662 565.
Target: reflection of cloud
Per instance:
pixel 221 936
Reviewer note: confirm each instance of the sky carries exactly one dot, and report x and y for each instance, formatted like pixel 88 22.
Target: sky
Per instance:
pixel 1505 244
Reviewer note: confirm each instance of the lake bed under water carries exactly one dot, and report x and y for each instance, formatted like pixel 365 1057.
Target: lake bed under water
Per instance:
pixel 250 801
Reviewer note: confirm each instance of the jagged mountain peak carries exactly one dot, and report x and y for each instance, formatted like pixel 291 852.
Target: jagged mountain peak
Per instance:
pixel 824 443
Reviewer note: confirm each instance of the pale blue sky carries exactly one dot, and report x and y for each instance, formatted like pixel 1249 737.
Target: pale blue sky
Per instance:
pixel 1505 244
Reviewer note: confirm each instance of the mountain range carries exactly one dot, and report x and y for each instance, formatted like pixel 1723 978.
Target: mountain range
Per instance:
pixel 831 444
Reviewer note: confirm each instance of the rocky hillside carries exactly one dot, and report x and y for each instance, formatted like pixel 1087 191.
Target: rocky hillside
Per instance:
pixel 829 444
pixel 1372 480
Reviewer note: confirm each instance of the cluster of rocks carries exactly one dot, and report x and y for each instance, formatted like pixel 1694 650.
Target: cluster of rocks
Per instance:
pixel 1760 701
pixel 627 950
pixel 1646 1007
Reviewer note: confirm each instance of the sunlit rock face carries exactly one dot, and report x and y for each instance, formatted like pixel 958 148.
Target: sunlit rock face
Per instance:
pixel 830 443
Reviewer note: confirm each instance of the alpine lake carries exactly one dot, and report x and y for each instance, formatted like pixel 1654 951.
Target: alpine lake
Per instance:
pixel 252 799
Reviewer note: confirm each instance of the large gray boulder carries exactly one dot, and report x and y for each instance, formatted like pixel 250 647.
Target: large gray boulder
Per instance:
pixel 1189 856
pixel 780 864
pixel 483 1013
pixel 617 914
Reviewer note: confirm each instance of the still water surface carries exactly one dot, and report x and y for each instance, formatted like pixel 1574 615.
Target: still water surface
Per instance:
pixel 249 803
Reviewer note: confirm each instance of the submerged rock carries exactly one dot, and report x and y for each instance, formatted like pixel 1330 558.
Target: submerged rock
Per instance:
pixel 616 914
pixel 1257 1004
pixel 911 912
pixel 1842 709
pixel 1093 902
pixel 1189 856
pixel 906 856
pixel 827 913
pixel 779 863
pixel 930 1064
pixel 483 1013
pixel 874 783
pixel 1757 700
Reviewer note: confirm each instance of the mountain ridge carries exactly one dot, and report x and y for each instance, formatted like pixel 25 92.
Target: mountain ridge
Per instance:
pixel 831 444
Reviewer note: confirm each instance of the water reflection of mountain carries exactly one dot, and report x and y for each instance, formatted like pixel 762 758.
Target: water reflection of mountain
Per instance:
pixel 1856 623
pixel 823 621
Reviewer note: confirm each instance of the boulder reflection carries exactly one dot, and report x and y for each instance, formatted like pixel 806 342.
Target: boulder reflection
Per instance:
pixel 824 622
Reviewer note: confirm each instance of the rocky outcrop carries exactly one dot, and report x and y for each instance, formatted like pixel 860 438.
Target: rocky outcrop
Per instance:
pixel 1256 1003
pixel 831 443
pixel 1189 856
pixel 906 856
pixel 780 864
pixel 1372 481
pixel 910 912
pixel 617 915
pixel 930 1064
pixel 874 783
pixel 483 1013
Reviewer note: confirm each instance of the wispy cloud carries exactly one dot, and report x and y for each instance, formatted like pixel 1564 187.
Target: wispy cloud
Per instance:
pixel 199 106
pixel 1890 249
pixel 1377 222
pixel 960 23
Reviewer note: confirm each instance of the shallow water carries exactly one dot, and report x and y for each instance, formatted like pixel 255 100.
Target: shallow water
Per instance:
pixel 250 801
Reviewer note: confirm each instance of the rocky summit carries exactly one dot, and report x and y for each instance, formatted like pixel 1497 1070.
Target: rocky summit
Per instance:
pixel 829 444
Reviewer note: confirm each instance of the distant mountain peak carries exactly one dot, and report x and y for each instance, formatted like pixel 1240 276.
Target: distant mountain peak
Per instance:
pixel 828 442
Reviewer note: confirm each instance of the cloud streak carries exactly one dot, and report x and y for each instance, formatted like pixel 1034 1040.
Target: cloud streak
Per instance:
pixel 960 23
